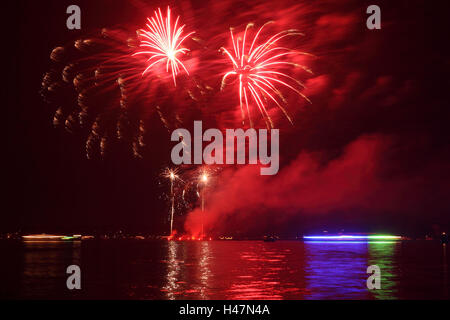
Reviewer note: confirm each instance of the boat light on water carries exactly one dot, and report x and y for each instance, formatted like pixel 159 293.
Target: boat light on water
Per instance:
pixel 343 237
pixel 50 237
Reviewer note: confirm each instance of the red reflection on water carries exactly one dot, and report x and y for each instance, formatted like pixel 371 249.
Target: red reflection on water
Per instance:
pixel 235 270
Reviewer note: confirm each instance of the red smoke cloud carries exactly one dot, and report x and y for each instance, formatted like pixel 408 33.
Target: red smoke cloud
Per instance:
pixel 358 180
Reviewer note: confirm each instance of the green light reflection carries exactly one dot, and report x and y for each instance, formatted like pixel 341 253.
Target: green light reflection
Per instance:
pixel 382 254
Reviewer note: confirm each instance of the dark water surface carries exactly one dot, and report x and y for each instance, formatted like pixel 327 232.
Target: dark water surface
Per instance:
pixel 125 269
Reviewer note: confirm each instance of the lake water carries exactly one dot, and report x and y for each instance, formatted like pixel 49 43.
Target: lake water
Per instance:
pixel 145 269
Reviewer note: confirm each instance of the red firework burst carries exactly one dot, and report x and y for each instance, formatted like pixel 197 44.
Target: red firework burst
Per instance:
pixel 259 69
pixel 162 43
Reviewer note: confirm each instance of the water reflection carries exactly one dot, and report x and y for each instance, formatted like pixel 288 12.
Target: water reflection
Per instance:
pixel 227 269
pixel 45 263
pixel 259 279
pixel 172 286
pixel 382 254
pixel 188 270
pixel 445 271
pixel 204 271
pixel 234 270
pixel 257 270
pixel 336 269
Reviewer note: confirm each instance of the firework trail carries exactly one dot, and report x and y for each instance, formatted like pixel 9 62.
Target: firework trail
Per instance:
pixel 259 68
pixel 187 189
pixel 197 181
pixel 162 43
pixel 171 174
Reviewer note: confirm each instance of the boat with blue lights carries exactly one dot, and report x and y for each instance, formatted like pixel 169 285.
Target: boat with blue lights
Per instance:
pixel 352 237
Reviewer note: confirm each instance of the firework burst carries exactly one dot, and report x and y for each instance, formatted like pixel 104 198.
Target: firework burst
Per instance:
pixel 96 89
pixel 94 86
pixel 162 43
pixel 260 67
pixel 171 174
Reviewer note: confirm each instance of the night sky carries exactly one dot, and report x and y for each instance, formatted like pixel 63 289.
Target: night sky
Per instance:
pixel 370 154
